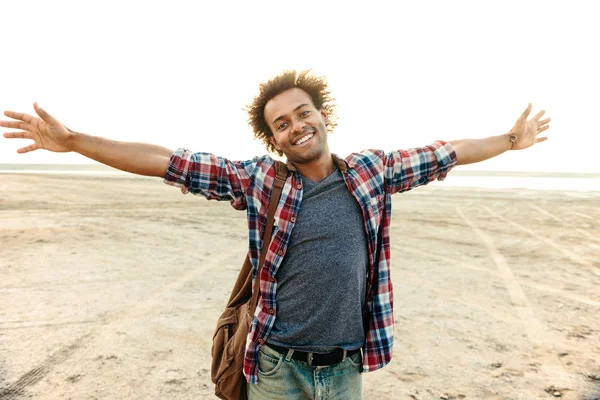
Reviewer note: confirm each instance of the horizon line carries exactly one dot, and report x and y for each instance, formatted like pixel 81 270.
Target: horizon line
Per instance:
pixel 456 172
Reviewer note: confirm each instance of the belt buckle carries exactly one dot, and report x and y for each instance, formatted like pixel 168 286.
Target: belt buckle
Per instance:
pixel 309 359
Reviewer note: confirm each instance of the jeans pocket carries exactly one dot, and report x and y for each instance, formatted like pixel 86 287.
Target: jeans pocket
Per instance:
pixel 355 359
pixel 267 364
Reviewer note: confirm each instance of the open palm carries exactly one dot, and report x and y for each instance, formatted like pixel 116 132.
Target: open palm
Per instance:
pixel 527 131
pixel 46 131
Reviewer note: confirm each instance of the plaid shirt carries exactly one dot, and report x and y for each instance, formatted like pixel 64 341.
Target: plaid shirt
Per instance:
pixel 372 176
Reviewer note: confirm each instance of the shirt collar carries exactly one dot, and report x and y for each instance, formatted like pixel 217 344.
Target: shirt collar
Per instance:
pixel 341 164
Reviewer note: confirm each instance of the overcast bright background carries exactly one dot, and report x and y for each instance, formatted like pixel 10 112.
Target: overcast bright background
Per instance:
pixel 178 73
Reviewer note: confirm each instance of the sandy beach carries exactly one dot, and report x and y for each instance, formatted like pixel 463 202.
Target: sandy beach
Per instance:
pixel 110 289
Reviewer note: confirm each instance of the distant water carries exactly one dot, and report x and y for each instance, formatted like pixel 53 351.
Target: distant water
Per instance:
pixel 121 174
pixel 524 182
pixel 483 179
pixel 66 169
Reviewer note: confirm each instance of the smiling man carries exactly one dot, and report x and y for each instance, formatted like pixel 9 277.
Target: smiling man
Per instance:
pixel 300 132
pixel 325 312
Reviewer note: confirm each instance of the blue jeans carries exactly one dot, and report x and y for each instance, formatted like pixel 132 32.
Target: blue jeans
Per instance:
pixel 280 377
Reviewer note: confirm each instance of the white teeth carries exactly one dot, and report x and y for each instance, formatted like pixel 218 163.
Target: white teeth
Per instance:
pixel 304 139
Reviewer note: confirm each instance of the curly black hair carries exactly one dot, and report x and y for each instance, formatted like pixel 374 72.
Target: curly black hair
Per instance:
pixel 314 86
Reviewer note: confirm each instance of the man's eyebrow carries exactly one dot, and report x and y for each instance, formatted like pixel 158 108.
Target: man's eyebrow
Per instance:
pixel 294 110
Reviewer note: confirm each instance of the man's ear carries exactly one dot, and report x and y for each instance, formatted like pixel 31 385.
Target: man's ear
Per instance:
pixel 274 143
pixel 324 115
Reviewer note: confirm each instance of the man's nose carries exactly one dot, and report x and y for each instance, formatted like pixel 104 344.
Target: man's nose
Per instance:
pixel 298 126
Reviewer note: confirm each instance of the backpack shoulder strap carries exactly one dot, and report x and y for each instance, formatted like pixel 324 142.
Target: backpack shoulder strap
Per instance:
pixel 280 178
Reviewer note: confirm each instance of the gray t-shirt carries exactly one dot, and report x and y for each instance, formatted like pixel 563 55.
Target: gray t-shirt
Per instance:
pixel 322 279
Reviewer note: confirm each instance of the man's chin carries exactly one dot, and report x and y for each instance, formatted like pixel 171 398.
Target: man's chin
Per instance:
pixel 304 158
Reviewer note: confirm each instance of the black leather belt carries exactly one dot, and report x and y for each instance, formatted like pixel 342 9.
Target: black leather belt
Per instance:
pixel 316 359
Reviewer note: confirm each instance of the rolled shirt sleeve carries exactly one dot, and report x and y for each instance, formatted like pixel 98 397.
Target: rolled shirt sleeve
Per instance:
pixel 213 177
pixel 407 169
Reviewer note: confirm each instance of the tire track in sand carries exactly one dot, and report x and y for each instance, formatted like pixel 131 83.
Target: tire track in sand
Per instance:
pixel 549 242
pixel 36 374
pixel 533 327
pixel 581 215
pixel 423 252
pixel 15 390
pixel 565 223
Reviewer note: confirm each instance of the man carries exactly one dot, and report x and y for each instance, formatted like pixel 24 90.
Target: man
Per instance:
pixel 325 311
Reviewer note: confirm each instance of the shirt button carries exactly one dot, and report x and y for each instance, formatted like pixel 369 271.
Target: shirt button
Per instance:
pixel 280 252
pixel 299 186
pixel 261 341
pixel 293 219
pixel 271 311
pixel 272 279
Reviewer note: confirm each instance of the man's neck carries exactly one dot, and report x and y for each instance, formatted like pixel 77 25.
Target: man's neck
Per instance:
pixel 318 169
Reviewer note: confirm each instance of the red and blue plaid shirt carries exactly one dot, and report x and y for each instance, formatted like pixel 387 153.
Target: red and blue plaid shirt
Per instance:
pixel 372 176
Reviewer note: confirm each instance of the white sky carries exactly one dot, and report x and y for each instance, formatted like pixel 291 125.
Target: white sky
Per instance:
pixel 178 73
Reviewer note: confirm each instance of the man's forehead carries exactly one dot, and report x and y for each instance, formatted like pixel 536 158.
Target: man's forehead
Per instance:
pixel 286 102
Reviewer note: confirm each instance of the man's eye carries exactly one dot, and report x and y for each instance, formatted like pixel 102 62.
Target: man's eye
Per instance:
pixel 304 113
pixel 282 126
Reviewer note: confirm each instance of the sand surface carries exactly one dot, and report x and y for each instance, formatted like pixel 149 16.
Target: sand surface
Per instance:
pixel 110 288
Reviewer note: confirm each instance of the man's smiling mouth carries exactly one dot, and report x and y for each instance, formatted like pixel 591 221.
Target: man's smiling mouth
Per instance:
pixel 304 139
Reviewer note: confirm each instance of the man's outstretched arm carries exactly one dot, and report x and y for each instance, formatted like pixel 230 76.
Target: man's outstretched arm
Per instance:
pixel 524 133
pixel 48 133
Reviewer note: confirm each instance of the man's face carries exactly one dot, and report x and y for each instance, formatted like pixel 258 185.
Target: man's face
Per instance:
pixel 299 129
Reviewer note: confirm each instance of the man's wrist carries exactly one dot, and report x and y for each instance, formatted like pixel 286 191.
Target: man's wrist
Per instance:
pixel 512 138
pixel 71 140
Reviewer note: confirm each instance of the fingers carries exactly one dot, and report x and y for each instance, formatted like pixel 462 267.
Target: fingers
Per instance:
pixel 541 139
pixel 18 135
pixel 539 115
pixel 43 114
pixel 28 119
pixel 542 125
pixel 542 129
pixel 20 116
pixel 525 114
pixel 39 111
pixel 15 125
pixel 27 149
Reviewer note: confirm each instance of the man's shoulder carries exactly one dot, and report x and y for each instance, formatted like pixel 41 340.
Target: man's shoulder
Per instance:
pixel 369 158
pixel 259 166
pixel 265 159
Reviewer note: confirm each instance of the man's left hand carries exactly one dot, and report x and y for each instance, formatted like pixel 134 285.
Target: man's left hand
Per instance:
pixel 527 131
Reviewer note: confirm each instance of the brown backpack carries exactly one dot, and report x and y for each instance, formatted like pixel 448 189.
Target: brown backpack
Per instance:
pixel 229 340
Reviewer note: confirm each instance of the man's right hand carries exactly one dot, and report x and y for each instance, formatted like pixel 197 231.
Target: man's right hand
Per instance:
pixel 46 131
pixel 49 134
